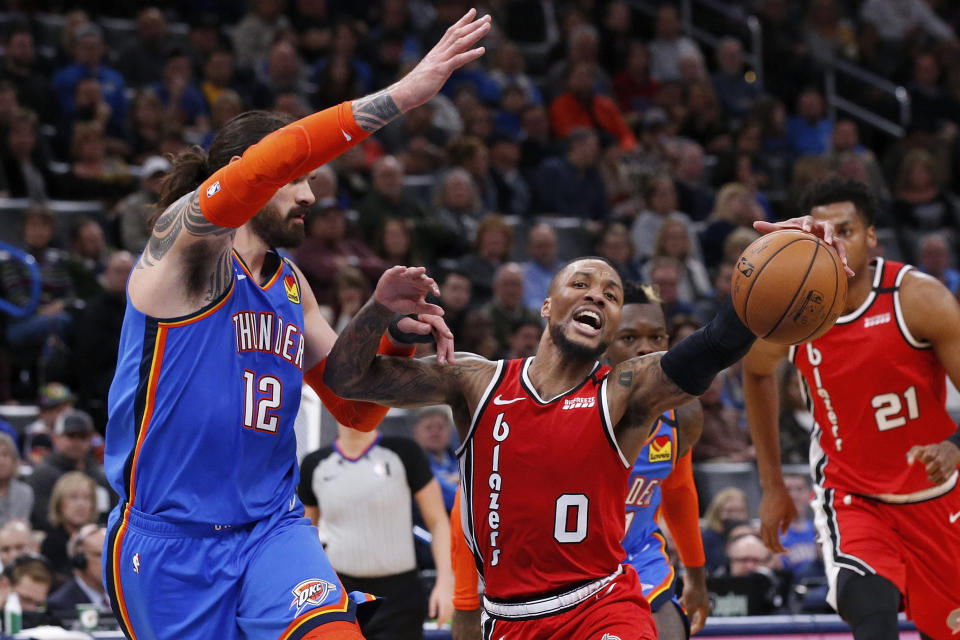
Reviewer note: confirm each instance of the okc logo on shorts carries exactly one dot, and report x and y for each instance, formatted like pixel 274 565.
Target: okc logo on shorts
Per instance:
pixel 311 592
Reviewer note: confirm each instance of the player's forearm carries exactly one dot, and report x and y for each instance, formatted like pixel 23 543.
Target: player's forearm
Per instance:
pixel 353 354
pixel 763 408
pixel 440 550
pixel 681 511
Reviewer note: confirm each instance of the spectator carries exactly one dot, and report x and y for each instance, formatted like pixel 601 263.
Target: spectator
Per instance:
pixel 668 46
pixel 53 398
pixel 282 72
pixel 524 339
pixel 218 76
pixel 736 94
pixel 51 320
pixel 184 103
pixel 86 585
pixel 747 555
pixel 73 504
pixel 415 131
pixel 254 35
pixel 538 272
pixel 800 540
pixel 693 195
pixel 661 198
pixel 580 106
pixel 571 185
pixel 771 115
pixel 919 203
pixel 634 87
pixel 828 35
pixel 846 139
pixel 704 121
pixel 432 429
pixel 72 434
pixel 147 125
pixel 361 487
pixel 735 207
pixel 933 258
pixel 476 335
pixel 508 121
pixel 88 52
pixel 16 539
pixel 135 210
pixel 95 173
pixel 394 243
pixel 508 71
pixel 583 48
pixel 25 162
pixel 896 20
pixel 31 579
pixel 506 308
pixel 16 497
pixel 682 326
pixel 458 209
pixel 665 273
pixel 387 198
pixel 931 106
pixel 796 421
pixel 727 509
pixel 471 154
pixel 537 144
pixel 616 246
pixel 337 81
pixel 95 356
pixel 88 255
pixel 673 241
pixel 350 290
pixel 22 68
pixel 723 275
pixel 455 298
pixel 512 193
pixel 492 248
pixel 328 249
pixel 736 242
pixel 723 438
pixel 810 129
pixel 141 61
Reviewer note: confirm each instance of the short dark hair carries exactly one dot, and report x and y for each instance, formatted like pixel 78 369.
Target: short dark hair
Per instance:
pixel 553 281
pixel 639 293
pixel 836 189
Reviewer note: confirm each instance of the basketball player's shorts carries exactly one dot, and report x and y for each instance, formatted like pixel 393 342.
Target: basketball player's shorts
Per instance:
pixel 617 611
pixel 916 546
pixel 268 580
pixel 658 579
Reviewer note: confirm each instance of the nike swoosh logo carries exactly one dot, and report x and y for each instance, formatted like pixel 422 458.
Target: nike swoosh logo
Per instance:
pixel 346 135
pixel 955 517
pixel 499 401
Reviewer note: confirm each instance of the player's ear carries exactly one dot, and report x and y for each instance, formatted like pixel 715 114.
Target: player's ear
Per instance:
pixel 871 237
pixel 234 158
pixel 545 308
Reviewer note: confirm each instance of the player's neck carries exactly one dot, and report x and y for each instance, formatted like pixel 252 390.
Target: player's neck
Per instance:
pixel 858 288
pixel 352 441
pixel 252 249
pixel 551 373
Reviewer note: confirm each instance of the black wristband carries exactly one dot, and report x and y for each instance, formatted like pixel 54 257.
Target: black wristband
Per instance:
pixel 697 359
pixel 955 438
pixel 404 337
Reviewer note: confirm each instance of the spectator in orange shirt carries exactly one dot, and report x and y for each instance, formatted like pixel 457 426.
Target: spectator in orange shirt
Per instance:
pixel 581 106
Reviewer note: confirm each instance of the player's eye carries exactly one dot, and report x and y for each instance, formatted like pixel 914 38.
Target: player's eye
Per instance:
pixel 627 339
pixel 579 285
pixel 611 297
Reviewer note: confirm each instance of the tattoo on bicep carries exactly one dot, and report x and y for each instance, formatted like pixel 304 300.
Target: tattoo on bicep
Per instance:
pixel 185 213
pixel 625 379
pixel 412 381
pixel 221 277
pixel 374 111
pixel 197 224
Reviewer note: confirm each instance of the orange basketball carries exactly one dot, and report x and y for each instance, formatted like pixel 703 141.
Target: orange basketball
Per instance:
pixel 789 287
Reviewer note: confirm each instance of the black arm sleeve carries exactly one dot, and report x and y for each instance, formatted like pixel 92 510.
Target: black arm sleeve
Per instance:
pixel 694 362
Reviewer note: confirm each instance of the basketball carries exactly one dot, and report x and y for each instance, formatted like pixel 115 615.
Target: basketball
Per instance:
pixel 789 287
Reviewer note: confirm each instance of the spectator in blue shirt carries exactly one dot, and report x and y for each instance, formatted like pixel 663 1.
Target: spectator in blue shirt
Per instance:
pixel 88 52
pixel 180 96
pixel 934 259
pixel 543 264
pixel 571 185
pixel 809 131
pixel 736 94
pixel 800 540
pixel 432 429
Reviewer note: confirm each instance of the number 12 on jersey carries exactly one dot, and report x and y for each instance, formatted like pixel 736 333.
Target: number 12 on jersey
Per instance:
pixel 889 407
pixel 261 396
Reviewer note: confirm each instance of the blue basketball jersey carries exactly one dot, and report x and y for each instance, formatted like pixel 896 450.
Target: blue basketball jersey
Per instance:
pixel 652 466
pixel 202 407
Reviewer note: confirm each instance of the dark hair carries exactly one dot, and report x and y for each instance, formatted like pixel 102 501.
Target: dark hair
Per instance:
pixel 836 189
pixel 639 293
pixel 195 165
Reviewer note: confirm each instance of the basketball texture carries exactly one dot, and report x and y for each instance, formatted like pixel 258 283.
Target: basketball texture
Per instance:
pixel 789 287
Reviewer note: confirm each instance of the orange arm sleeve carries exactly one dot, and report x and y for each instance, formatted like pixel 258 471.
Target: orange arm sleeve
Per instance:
pixel 236 192
pixel 466 591
pixel 363 416
pixel 681 510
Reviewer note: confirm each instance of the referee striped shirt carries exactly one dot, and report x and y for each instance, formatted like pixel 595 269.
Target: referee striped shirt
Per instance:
pixel 365 503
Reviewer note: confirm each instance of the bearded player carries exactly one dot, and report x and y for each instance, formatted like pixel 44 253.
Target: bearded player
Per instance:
pixel 548 445
pixel 884 452
pixel 209 540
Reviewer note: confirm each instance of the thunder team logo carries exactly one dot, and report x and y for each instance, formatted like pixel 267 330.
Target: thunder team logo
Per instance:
pixel 661 449
pixel 311 592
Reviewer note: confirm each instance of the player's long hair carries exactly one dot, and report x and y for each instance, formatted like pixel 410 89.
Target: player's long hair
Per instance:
pixel 195 165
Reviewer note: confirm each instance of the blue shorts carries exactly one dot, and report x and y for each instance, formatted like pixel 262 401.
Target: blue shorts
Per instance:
pixel 264 581
pixel 657 576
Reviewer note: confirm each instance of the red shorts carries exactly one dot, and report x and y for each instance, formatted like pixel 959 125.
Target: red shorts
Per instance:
pixel 618 612
pixel 916 546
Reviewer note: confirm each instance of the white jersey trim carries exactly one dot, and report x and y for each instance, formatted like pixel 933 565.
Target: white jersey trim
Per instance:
pixel 548 606
pixel 898 311
pixel 533 390
pixel 859 311
pixel 608 424
pixel 918 496
pixel 484 399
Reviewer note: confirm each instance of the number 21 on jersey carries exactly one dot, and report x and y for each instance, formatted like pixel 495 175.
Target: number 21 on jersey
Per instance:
pixel 889 408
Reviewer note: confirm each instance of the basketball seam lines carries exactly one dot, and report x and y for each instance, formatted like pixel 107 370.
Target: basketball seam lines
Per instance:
pixel 836 291
pixel 806 275
pixel 746 300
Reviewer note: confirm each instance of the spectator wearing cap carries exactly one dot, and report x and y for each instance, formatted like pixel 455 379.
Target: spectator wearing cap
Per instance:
pixel 136 209
pixel 86 586
pixel 53 399
pixel 72 435
pixel 581 106
pixel 88 53
pixel 95 357
pixel 542 266
pixel 73 504
pixel 571 185
pixel 16 497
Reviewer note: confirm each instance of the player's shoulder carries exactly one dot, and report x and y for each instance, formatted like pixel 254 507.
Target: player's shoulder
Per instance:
pixel 929 309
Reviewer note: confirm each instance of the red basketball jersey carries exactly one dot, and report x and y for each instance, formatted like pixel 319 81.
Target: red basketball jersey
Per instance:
pixel 876 390
pixel 544 484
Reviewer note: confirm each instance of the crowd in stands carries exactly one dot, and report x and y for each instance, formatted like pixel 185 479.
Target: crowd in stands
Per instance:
pixel 589 126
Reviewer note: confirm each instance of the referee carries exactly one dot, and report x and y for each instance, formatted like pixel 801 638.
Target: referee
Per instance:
pixel 362 487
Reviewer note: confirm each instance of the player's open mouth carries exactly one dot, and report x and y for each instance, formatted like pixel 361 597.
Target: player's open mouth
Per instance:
pixel 588 321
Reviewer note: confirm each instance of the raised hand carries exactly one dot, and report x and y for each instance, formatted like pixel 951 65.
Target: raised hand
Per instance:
pixel 452 52
pixel 404 290
pixel 776 512
pixel 821 229
pixel 427 323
